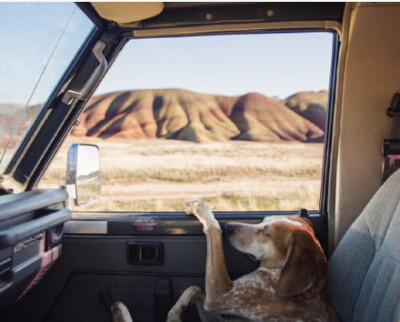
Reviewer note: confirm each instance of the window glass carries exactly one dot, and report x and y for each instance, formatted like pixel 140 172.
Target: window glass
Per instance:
pixel 38 42
pixel 238 121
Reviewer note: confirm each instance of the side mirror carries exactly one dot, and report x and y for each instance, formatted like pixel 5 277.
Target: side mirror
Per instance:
pixel 83 177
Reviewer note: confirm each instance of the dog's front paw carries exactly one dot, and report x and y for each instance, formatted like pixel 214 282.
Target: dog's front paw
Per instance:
pixel 195 206
pixel 188 297
pixel 198 208
pixel 120 313
pixel 201 211
pixel 174 316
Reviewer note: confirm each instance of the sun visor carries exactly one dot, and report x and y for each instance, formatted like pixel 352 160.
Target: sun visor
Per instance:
pixel 126 12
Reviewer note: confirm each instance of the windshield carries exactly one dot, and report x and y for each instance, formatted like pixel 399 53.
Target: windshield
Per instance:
pixel 38 42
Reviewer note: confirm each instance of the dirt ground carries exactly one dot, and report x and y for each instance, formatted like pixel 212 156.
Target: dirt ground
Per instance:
pixel 160 175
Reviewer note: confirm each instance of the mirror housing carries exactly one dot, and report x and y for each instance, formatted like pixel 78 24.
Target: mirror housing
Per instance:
pixel 83 178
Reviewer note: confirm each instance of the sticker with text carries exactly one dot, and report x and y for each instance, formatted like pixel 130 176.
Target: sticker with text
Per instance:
pixel 144 224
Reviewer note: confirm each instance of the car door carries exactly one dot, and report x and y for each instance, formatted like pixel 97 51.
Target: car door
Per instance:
pixel 142 255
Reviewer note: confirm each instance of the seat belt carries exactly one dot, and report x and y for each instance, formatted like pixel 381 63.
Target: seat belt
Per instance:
pixel 391 147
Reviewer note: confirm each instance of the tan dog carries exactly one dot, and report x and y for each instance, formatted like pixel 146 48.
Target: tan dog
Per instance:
pixel 288 285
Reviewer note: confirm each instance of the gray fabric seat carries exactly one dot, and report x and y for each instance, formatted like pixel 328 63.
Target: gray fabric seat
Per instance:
pixel 363 278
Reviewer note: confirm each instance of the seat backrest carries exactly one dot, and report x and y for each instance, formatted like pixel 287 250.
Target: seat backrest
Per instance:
pixel 363 277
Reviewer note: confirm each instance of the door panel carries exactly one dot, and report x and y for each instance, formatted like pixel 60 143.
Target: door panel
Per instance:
pixel 91 263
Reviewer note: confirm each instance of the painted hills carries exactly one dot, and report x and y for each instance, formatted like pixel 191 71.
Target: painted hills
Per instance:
pixel 311 105
pixel 184 115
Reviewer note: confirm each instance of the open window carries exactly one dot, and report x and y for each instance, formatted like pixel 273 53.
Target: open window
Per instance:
pixel 239 121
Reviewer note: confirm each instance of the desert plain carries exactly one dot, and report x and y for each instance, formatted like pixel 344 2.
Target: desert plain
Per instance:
pixel 160 175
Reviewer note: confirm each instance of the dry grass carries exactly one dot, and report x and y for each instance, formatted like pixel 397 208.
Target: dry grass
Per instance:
pixel 160 175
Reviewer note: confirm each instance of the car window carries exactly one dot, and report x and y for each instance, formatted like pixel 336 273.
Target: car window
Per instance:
pixel 38 42
pixel 238 121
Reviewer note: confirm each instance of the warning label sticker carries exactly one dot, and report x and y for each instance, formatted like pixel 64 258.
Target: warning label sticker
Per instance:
pixel 144 224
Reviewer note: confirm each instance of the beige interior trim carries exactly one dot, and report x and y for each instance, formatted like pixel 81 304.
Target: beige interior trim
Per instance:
pixel 195 30
pixel 370 78
pixel 126 12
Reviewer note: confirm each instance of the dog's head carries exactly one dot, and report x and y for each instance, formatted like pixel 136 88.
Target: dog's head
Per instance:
pixel 286 243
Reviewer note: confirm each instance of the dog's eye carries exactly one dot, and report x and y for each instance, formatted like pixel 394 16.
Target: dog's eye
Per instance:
pixel 265 233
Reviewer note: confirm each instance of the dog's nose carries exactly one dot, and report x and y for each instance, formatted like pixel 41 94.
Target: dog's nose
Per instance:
pixel 228 229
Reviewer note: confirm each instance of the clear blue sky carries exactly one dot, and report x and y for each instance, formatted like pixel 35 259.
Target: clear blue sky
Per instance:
pixel 277 64
pixel 38 41
pixel 272 64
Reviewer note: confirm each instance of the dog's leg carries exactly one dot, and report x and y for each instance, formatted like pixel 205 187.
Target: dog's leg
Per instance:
pixel 120 313
pixel 217 278
pixel 192 295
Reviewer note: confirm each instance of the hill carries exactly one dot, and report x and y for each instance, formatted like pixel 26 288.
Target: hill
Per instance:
pixel 185 115
pixel 310 105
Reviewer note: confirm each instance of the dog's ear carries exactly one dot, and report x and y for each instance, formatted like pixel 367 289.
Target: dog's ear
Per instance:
pixel 298 272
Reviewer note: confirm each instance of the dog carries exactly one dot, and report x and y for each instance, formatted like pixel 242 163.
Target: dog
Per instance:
pixel 288 285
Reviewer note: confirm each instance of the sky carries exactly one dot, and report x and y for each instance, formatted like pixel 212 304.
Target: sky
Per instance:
pixel 277 64
pixel 39 40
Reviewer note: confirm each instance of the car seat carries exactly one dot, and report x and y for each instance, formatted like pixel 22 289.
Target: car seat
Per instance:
pixel 363 277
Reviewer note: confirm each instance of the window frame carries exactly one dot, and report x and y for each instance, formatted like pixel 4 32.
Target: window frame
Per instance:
pixel 325 173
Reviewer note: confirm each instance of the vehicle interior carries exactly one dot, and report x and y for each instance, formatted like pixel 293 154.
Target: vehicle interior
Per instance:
pixel 55 263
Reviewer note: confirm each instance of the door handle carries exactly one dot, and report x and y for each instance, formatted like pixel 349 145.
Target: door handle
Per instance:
pixel 148 253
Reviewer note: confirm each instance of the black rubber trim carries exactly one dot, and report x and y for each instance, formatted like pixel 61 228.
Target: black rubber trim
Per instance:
pixel 329 127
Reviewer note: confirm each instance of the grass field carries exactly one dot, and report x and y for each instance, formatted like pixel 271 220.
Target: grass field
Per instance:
pixel 160 175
